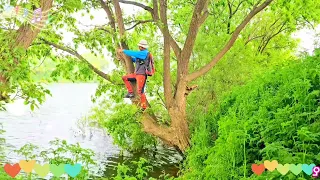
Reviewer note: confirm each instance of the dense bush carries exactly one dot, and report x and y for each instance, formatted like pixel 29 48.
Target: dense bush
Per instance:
pixel 274 117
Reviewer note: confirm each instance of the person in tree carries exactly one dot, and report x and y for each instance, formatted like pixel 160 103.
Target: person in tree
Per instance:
pixel 140 76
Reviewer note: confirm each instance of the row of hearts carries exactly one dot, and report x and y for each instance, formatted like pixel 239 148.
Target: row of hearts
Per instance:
pixel 43 170
pixel 283 169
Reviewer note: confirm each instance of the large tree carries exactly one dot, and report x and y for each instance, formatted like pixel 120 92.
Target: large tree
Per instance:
pixel 179 30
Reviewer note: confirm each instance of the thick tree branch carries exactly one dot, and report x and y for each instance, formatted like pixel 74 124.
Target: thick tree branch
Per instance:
pixel 199 15
pixel 110 15
pixel 119 18
pixel 155 13
pixel 120 23
pixel 166 53
pixel 151 126
pixel 230 43
pixel 76 54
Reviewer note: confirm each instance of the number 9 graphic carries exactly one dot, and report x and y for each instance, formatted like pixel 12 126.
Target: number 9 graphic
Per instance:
pixel 316 171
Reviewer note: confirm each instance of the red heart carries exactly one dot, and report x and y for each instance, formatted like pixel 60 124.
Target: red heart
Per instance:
pixel 257 169
pixel 12 170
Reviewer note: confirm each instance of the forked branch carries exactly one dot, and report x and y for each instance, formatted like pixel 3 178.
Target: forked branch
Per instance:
pixel 230 43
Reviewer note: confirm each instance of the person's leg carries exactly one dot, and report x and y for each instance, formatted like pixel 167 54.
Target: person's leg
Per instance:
pixel 143 101
pixel 126 79
pixel 141 82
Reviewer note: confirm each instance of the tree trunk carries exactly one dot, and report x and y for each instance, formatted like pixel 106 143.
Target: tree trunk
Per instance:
pixel 177 134
pixel 180 128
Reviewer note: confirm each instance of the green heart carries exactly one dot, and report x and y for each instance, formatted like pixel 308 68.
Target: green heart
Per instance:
pixel 43 170
pixel 57 170
pixel 295 169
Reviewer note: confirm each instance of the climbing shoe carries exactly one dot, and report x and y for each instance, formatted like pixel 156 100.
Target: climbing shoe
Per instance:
pixel 129 95
pixel 142 109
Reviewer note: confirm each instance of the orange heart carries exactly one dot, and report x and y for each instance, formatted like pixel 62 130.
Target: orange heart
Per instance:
pixel 27 166
pixel 257 169
pixel 271 166
pixel 12 170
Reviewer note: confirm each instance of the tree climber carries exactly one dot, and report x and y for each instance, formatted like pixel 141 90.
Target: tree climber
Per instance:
pixel 140 74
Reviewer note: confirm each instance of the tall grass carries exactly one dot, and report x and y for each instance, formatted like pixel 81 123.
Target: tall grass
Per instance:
pixel 276 116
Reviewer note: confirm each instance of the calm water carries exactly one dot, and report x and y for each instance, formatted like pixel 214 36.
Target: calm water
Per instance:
pixel 58 118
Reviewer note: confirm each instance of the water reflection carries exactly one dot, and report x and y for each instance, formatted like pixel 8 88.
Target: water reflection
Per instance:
pixel 162 160
pixel 59 118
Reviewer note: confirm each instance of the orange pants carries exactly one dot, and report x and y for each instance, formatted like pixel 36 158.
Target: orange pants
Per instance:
pixel 141 82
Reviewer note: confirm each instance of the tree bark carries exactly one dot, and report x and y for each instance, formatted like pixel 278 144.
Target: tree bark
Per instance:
pixel 177 134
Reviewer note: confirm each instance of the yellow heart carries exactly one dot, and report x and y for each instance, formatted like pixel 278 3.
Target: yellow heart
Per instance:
pixel 283 169
pixel 43 170
pixel 27 166
pixel 271 166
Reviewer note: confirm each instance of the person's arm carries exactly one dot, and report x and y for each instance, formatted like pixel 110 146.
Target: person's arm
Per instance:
pixel 133 59
pixel 136 54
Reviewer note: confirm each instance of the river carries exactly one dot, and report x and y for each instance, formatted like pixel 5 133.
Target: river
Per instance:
pixel 59 117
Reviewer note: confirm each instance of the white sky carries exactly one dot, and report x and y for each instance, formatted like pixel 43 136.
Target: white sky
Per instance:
pixel 308 37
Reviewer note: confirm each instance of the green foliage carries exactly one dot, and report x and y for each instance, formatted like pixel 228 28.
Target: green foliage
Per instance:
pixel 139 171
pixel 273 117
pixel 121 122
pixel 28 151
pixel 60 152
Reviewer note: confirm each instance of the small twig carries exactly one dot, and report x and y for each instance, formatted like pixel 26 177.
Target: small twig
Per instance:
pixel 139 22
